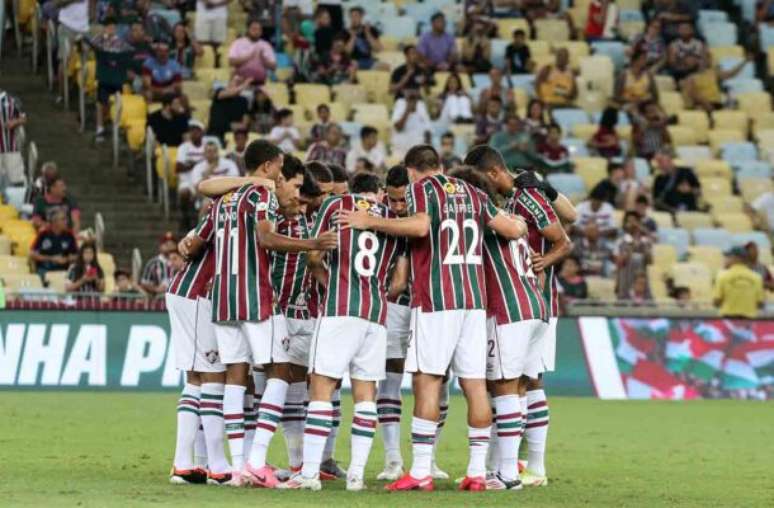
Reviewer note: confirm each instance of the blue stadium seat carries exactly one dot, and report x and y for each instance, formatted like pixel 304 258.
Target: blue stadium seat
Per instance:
pixel 351 129
pixel 629 15
pixel 765 35
pixel 400 27
pixel 567 184
pixel 737 86
pixel 614 49
pixel 693 153
pixel 753 169
pixel 577 147
pixel 714 237
pixel 525 82
pixel 679 238
pixel 481 80
pixel 498 52
pixel 758 237
pixel 420 12
pixel 748 71
pixel 641 168
pixel 567 118
pixel 748 9
pixel 712 16
pixel 735 153
pixel 720 34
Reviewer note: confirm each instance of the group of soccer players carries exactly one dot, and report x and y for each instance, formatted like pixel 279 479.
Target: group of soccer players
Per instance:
pixel 294 280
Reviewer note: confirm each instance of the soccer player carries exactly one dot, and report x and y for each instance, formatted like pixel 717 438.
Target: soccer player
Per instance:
pixel 247 330
pixel 340 180
pixel 350 336
pixel 446 219
pixel 518 333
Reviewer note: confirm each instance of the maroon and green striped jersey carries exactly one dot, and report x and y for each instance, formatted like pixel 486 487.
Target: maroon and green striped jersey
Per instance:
pixel 359 268
pixel 191 282
pixel 534 207
pixel 241 288
pixel 288 270
pixel 447 269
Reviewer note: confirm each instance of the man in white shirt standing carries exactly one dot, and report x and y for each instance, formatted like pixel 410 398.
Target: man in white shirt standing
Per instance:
pixel 369 148
pixel 211 22
pixel 410 122
pixel 189 154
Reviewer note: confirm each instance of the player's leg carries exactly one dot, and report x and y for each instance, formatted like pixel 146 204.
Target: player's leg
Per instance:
pixel 184 470
pixel 213 385
pixel 388 407
pixel 294 413
pixel 443 407
pixel 251 414
pixel 330 470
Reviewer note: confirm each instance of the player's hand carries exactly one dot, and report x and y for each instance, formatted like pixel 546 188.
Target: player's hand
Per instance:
pixel 184 247
pixel 353 219
pixel 538 265
pixel 528 180
pixel 328 240
pixel 264 182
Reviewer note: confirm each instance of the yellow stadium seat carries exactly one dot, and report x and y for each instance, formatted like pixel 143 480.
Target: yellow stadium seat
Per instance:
pixel 538 48
pixel 601 288
pixel 133 107
pixel 552 30
pixel 770 60
pixel 135 134
pixel 209 76
pixel 715 186
pixel 200 110
pixel 14 264
pixel 301 115
pixel 339 111
pixel 578 50
pixel 506 27
pixel 713 167
pixel 8 212
pixel 206 60
pixel 18 282
pixel 371 114
pixel 662 219
pixel 196 90
pixel 751 188
pixel 579 12
pixel 631 29
pixel 698 121
pixel 591 169
pixel 763 121
pixel 694 220
pixel 754 103
pixel 376 83
pixel 9 226
pixel 732 119
pixel 671 102
pixel 725 204
pixel 5 245
pixel 720 53
pixel 162 168
pixel 682 135
pixel 665 83
pixel 719 137
pixel 664 254
pixel 765 138
pixel 691 274
pixel 311 95
pixel 597 71
pixel 350 94
pixel 618 218
pixel 710 256
pixel 278 93
pixel 584 131
pixel 393 59
pixel 465 132
pixel 734 222
pixel 57 280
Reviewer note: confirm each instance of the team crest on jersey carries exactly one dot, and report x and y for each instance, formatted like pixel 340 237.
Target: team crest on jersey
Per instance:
pixel 262 206
pixel 286 344
pixel 212 356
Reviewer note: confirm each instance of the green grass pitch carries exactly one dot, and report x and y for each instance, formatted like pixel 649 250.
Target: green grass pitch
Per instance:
pixel 115 449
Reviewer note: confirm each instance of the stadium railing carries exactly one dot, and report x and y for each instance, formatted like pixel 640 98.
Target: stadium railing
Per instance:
pixel 150 144
pixel 16 29
pixel 35 29
pixel 117 128
pixel 631 308
pixel 99 231
pixel 83 55
pixel 50 34
pixel 136 263
pixel 43 299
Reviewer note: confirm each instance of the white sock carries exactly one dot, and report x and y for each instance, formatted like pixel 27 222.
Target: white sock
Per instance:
pixel 187 425
pixel 493 455
pixel 293 416
pixel 251 413
pixel 212 420
pixel 330 444
pixel 423 434
pixel 508 431
pixel 259 380
pixel 234 417
pixel 200 446
pixel 317 429
pixel 444 413
pixel 269 417
pixel 363 430
pixel 388 407
pixel 536 432
pixel 478 444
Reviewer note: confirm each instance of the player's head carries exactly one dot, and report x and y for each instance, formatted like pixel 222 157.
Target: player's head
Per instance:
pixel 289 185
pixel 422 160
pixel 475 178
pixel 490 163
pixel 340 179
pixel 396 182
pixel 263 158
pixel 310 193
pixel 324 178
pixel 365 183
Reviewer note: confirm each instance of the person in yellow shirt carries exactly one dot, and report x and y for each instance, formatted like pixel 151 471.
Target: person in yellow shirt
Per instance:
pixel 555 83
pixel 738 290
pixel 703 88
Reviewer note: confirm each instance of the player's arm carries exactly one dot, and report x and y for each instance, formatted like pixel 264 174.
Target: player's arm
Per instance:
pixel 317 268
pixel 511 227
pixel 191 246
pixel 413 226
pixel 270 240
pixel 561 247
pixel 564 209
pixel 214 187
pixel 399 280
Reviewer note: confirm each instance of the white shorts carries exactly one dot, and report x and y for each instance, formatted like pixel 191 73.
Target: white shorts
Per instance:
pixel 253 342
pixel 343 344
pixel 300 332
pixel 12 167
pixel 514 349
pixel 548 359
pixel 398 330
pixel 210 30
pixel 193 335
pixel 455 338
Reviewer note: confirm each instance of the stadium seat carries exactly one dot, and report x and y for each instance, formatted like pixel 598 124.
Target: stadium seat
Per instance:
pixel 707 16
pixel 682 135
pixel 57 280
pixel 720 34
pixel 591 169
pixel 759 237
pixel 679 238
pixel 614 50
pixel 597 72
pixel 371 114
pixel 694 275
pixel 376 83
pixel 206 60
pixel 200 110
pixel 601 288
pixel 729 62
pixel 736 153
pixel 19 282
pixel 551 30
pixel 671 103
pixel 693 220
pixel 539 48
pixel 8 212
pixel 13 264
pixel 715 237
pixel 738 86
pixel 498 52
pixel 720 53
pixel 641 168
pixel 278 93
pixel 570 185
pixel 754 103
pixel 725 204
pixel 710 256
pixel 567 118
pixel 399 27
pixel 506 27
pixel 311 95
pixel 720 137
pixel 732 119
pixel 715 186
pixel 5 245
pixel 576 49
pixel 692 154
pixel 734 222
pixel 713 167
pixel 753 169
pixel 584 131
pixel 664 254
pixel 577 147
pixel 751 188
pixel 662 219
pixel 665 83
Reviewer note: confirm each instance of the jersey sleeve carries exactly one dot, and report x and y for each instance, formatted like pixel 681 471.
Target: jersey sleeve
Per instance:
pixel 322 223
pixel 489 210
pixel 416 199
pixel 536 205
pixel 266 205
pixel 206 227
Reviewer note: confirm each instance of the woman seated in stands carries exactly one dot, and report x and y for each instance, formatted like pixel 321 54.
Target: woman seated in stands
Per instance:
pixel 497 88
pixel 456 106
pixel 636 85
pixel 184 49
pixel 703 89
pixel 535 122
pixel 477 49
pixel 605 142
pixel 85 275
pixel 336 66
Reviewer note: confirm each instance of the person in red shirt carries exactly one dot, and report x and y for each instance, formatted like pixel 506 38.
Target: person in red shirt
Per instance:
pixel 601 20
pixel 605 141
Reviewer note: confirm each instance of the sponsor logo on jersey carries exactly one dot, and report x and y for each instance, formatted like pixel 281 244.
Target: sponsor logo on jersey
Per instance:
pixel 362 204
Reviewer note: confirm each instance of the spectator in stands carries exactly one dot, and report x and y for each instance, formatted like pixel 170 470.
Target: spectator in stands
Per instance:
pixel 438 48
pixel 413 75
pixel 535 122
pixel 552 155
pixel 635 85
pixel 157 273
pixel 73 25
pixel 683 295
pixel 138 39
pixel 54 248
pixel 477 49
pixel 555 84
pixel 161 75
pixel 756 266
pixel 602 20
pixel 572 284
pixel 703 88
pixel 449 157
pixel 652 44
pixel 251 56
pixel 632 255
pixel 86 275
pixel 169 123
pixel 324 32
pixel 212 165
pixel 189 154
pixel 11 163
pixel 547 9
pixel 605 142
pixel 185 50
pixel 340 179
pixel 609 189
pixel 262 111
pixel 631 188
pixel 331 149
pixel 518 59
pixel 125 288
pixel 49 172
pixel 515 144
pixel 675 189
pixel 323 121
pixel 640 289
pixel 597 212
pixel 686 54
pixel 410 122
pixel 56 200
pixel 593 251
pixel 490 121
pixel 738 290
pixel 265 11
pixel 497 88
pixel 284 134
pixel 673 14
pixel 335 66
pixel 765 12
pixel 212 22
pixel 649 131
pixel 642 207
pixel 229 109
pixel 237 154
pixel 363 39
pixel 369 148
pixel 456 106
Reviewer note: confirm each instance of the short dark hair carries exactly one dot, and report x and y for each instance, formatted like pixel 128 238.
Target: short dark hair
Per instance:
pixel 598 193
pixel 364 182
pixel 630 213
pixel 555 126
pixel 436 16
pixel 252 20
pixel 447 134
pixel 495 98
pixel 168 98
pixel 259 152
pixel 310 188
pixel 320 171
pixel 367 131
pixel 121 273
pixel 367 165
pixel 339 173
pixel 422 158
pixel 472 176
pixel 484 158
pixel 613 166
pixel 397 176
pixel 357 8
pixel 322 106
pixel 292 167
pixel 518 31
pixel 642 199
pixel 407 48
pixel 283 113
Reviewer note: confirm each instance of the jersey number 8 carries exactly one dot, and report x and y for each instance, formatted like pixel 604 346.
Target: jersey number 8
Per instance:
pixel 367 247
